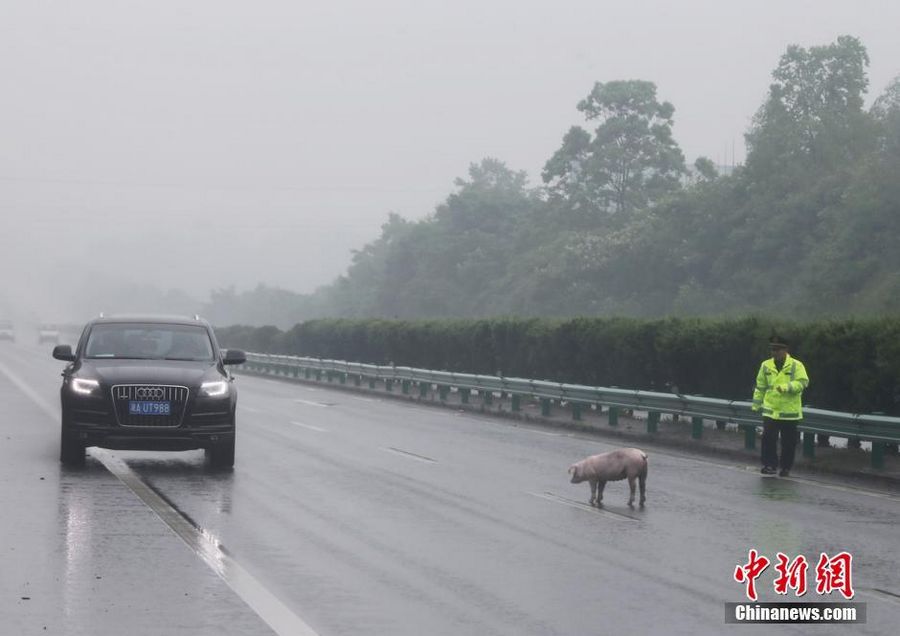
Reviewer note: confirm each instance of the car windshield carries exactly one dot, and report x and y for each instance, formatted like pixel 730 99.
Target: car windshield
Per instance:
pixel 149 342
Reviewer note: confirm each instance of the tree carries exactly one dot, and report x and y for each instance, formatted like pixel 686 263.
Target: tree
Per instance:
pixel 814 108
pixel 632 159
pixel 705 169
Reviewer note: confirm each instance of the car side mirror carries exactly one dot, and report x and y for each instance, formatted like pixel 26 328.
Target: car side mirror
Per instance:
pixel 234 356
pixel 63 352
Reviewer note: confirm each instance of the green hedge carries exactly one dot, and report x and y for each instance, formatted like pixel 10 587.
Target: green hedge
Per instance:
pixel 854 365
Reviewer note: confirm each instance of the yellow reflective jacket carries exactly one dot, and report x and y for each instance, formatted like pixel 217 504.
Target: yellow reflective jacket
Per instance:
pixel 777 392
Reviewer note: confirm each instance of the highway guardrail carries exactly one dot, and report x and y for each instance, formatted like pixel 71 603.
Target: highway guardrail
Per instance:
pixel 880 430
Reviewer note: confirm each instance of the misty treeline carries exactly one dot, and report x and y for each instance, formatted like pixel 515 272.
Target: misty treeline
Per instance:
pixel 622 225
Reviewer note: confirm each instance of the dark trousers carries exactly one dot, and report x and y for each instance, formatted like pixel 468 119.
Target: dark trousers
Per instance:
pixel 772 430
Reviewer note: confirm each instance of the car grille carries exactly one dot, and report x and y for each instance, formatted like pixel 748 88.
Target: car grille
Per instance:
pixel 122 394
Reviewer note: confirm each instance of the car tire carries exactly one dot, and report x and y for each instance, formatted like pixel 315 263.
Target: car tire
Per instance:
pixel 222 455
pixel 71 451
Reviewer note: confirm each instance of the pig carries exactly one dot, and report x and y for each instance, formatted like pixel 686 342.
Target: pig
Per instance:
pixel 630 463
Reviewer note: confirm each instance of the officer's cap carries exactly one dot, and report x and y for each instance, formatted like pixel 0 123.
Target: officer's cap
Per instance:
pixel 777 342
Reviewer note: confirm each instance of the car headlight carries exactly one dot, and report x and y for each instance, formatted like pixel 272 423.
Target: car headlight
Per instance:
pixel 218 388
pixel 83 386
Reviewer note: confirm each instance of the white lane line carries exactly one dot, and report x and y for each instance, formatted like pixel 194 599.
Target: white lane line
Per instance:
pixel 407 454
pixel 881 595
pixel 31 393
pixel 267 606
pixel 310 427
pixel 363 399
pixel 539 432
pixel 612 514
pixel 311 403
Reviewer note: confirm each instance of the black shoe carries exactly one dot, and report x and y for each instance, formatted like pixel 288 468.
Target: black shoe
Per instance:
pixel 768 470
pixel 784 472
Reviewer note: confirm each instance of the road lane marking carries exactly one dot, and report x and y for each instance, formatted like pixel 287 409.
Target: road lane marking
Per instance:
pixel 549 496
pixel 811 482
pixel 266 605
pixel 311 403
pixel 310 427
pixel 414 456
pixel 540 432
pixel 881 595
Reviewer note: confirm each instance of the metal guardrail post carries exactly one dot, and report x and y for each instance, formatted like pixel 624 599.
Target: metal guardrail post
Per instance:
pixel 516 403
pixel 545 407
pixel 443 390
pixel 697 427
pixel 749 436
pixel 371 382
pixel 653 422
pixel 576 411
pixel 343 378
pixel 464 395
pixel 487 397
pixel 389 385
pixel 720 425
pixel 318 375
pixel 613 415
pixel 404 387
pixel 357 380
pixel 809 444
pixel 878 455
pixel 423 389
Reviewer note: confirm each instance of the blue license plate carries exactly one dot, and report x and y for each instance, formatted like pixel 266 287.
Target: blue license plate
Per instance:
pixel 136 407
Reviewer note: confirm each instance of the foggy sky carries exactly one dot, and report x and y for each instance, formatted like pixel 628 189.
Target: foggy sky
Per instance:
pixel 215 142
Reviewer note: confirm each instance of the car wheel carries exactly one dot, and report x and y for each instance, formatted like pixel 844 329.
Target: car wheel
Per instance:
pixel 222 455
pixel 71 451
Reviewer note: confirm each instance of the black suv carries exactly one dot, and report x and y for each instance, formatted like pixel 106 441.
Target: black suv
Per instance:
pixel 148 383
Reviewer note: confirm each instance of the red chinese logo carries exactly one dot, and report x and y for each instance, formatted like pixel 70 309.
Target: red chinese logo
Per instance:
pixel 832 574
pixel 750 572
pixel 835 574
pixel 791 574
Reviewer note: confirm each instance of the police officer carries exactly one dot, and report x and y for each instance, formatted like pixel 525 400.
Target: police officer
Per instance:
pixel 779 386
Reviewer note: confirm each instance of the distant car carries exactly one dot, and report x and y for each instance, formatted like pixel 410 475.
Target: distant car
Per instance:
pixel 48 333
pixel 148 383
pixel 7 331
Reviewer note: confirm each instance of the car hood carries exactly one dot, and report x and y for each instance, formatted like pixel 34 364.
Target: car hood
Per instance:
pixel 111 372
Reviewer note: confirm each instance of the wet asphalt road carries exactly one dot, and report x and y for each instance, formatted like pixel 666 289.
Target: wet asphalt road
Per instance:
pixel 368 516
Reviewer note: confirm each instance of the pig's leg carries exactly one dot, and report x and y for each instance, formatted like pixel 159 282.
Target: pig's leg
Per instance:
pixel 600 488
pixel 593 483
pixel 642 481
pixel 631 490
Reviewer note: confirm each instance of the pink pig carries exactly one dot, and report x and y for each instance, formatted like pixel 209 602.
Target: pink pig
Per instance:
pixel 619 464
